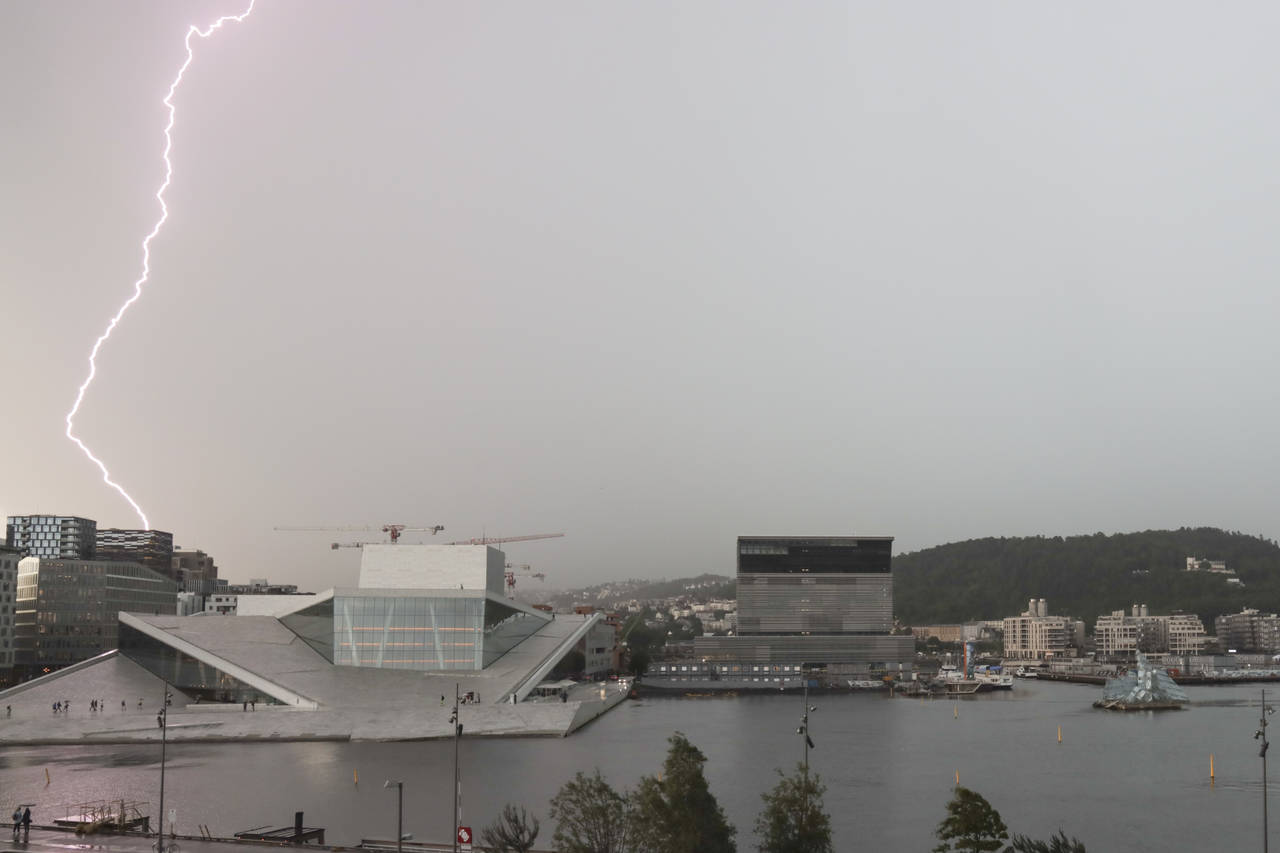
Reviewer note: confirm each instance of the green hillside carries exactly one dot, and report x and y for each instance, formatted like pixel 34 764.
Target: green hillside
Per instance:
pixel 1085 576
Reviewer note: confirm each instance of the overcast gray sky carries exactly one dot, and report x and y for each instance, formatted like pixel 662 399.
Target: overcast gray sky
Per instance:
pixel 651 274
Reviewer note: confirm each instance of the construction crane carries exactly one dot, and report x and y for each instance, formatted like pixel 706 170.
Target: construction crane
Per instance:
pixel 392 530
pixel 511 579
pixel 496 540
pixel 511 576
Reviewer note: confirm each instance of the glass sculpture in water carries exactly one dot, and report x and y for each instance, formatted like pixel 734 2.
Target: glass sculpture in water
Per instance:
pixel 1145 688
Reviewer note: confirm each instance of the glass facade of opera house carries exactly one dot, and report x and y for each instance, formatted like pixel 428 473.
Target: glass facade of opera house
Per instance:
pixel 362 628
pixel 416 632
pixel 194 677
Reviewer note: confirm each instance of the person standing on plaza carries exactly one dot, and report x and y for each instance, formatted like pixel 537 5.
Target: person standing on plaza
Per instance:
pixel 26 823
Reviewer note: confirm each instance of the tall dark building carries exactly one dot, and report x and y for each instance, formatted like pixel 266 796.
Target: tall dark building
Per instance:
pixel 150 548
pixel 65 537
pixel 808 606
pixel 815 585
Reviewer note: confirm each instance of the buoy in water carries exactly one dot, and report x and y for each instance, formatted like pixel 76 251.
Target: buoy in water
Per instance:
pixel 355 776
pixel 1059 734
pixel 956 711
pixel 1211 770
pixel 47 780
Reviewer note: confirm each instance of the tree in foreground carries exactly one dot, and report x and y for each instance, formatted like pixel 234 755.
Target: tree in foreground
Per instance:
pixel 676 811
pixel 1059 843
pixel 971 824
pixel 793 820
pixel 514 831
pixel 590 816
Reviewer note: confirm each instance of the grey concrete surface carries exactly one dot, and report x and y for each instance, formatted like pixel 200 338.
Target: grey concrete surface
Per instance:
pixel 354 703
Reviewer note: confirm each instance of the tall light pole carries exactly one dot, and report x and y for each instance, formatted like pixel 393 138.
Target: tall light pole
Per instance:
pixel 1261 734
pixel 399 812
pixel 164 741
pixel 803 730
pixel 457 779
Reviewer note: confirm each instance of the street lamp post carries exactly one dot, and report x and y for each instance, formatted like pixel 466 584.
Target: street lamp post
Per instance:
pixel 164 741
pixel 457 779
pixel 399 811
pixel 803 730
pixel 1261 734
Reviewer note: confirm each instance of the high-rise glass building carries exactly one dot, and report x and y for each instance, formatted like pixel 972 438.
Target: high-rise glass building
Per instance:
pixel 150 548
pixel 66 537
pixel 68 610
pixel 9 558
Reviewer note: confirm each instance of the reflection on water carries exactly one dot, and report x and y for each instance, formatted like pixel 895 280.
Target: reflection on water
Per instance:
pixel 1117 781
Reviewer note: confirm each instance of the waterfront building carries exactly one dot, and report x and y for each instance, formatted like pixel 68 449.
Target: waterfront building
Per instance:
pixel 150 548
pixel 1120 636
pixel 9 558
pixel 1035 635
pixel 66 537
pixel 380 661
pixel 67 611
pixel 424 608
pixel 1248 631
pixel 1185 634
pixel 809 604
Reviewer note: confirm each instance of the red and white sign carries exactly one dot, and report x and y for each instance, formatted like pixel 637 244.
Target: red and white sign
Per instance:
pixel 464 837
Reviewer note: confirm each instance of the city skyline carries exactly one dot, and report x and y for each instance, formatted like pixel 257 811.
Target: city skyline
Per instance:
pixel 654 277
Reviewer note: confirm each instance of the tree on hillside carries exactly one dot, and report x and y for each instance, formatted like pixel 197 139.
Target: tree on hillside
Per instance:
pixel 514 831
pixel 1059 843
pixel 591 817
pixel 638 661
pixel 676 811
pixel 793 820
pixel 971 825
pixel 1085 576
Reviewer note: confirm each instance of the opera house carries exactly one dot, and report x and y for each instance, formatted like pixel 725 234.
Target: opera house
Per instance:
pixel 381 661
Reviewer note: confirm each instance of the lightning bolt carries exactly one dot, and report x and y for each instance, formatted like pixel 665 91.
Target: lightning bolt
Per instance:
pixel 192 31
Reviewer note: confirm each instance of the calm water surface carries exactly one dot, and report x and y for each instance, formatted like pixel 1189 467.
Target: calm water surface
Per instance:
pixel 1119 782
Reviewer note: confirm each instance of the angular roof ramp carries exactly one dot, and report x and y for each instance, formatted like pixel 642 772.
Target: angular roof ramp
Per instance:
pixel 270 688
pixel 552 657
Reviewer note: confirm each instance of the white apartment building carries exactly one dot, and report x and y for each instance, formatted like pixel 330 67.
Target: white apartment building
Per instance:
pixel 1119 636
pixel 1035 635
pixel 1186 634
pixel 221 602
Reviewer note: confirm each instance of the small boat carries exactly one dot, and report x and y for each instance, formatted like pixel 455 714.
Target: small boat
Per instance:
pixel 993 677
pixel 984 679
pixel 963 687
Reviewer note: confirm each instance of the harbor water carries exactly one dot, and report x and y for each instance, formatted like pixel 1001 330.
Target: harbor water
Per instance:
pixel 1117 781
